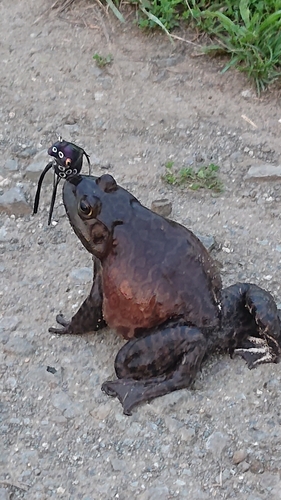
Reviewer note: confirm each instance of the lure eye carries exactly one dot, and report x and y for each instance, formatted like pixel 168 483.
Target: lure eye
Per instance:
pixel 61 168
pixel 61 155
pixel 85 208
pixel 54 149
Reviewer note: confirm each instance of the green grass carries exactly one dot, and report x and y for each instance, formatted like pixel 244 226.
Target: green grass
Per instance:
pixel 102 61
pixel 249 31
pixel 205 177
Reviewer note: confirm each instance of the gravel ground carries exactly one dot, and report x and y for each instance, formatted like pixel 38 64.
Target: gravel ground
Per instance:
pixel 61 437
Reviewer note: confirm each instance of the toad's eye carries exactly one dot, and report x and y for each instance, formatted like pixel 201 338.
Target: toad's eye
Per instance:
pixel 54 149
pixel 89 209
pixel 61 155
pixel 85 208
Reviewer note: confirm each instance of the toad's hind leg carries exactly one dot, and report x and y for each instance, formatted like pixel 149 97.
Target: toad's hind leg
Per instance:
pixel 151 366
pixel 264 344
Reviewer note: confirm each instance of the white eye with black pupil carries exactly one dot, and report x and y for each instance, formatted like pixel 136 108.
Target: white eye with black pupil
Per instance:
pixel 74 171
pixel 61 155
pixel 61 168
pixel 62 175
pixel 69 171
pixel 54 149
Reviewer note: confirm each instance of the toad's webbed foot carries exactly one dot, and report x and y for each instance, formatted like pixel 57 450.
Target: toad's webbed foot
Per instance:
pixel 257 351
pixel 78 325
pixel 131 392
pixel 255 334
pixel 155 365
pixel 60 319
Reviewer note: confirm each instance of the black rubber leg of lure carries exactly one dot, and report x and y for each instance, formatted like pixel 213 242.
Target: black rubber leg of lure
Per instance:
pixel 89 316
pixel 54 194
pixel 264 345
pixel 41 178
pixel 152 366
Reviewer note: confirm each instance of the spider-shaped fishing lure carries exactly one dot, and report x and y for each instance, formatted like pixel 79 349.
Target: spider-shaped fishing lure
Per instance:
pixel 68 161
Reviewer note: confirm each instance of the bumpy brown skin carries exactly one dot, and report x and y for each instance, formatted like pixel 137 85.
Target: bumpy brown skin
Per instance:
pixel 157 286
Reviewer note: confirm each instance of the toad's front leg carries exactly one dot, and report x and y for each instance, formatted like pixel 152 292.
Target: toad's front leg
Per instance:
pixel 161 362
pixel 89 316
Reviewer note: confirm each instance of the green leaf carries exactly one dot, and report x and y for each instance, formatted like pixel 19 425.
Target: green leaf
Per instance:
pixel 245 11
pixel 115 11
pixel 157 21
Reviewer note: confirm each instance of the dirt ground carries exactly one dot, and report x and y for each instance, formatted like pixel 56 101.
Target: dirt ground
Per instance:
pixel 61 437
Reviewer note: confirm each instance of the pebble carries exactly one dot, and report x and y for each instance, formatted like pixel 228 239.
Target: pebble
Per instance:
pixel 82 274
pixel 169 61
pixel 244 466
pixel 62 402
pixel 264 172
pixel 155 493
pixel 216 443
pixel 19 346
pixel 27 152
pixel 9 323
pixel 208 241
pixel 247 94
pixel 118 465
pixel 4 494
pixel 12 165
pixel 187 434
pixel 173 424
pixel 13 202
pixel 239 456
pixel 3 234
pixel 162 207
pixel 36 167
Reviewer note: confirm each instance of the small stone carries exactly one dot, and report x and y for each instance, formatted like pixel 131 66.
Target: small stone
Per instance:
pixel 60 490
pixel 256 467
pixel 118 465
pixel 173 424
pixel 11 382
pixel 244 466
pixel 4 182
pixel 101 411
pixel 82 274
pixel 216 443
pixel 207 240
pixel 264 172
pixel 4 494
pixel 13 201
pixel 155 493
pixel 162 207
pixel 12 165
pixel 239 456
pixel 3 234
pixel 34 169
pixel 9 323
pixel 187 434
pixel 62 402
pixel 19 346
pixel 246 93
